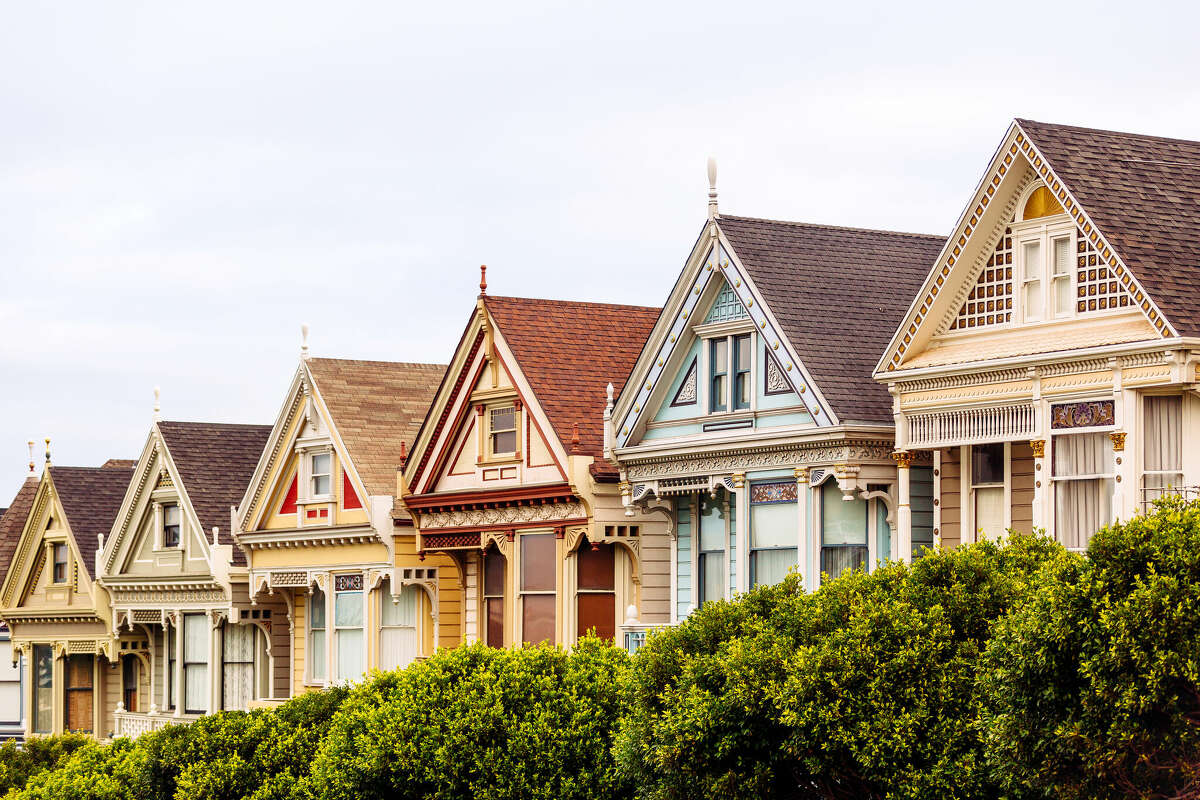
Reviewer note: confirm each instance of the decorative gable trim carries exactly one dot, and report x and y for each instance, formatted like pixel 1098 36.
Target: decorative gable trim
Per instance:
pixel 720 262
pixel 689 393
pixel 447 407
pixel 1015 142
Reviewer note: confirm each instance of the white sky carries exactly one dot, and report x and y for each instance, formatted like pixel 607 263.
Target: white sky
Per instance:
pixel 181 185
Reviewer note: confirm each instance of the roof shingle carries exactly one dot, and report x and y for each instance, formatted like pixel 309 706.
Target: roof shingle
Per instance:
pixel 91 498
pixel 12 522
pixel 839 294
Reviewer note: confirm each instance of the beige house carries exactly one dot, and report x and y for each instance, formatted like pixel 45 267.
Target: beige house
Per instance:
pixel 1049 363
pixel 60 618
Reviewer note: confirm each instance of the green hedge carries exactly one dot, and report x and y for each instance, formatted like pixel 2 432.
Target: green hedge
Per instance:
pixel 1020 671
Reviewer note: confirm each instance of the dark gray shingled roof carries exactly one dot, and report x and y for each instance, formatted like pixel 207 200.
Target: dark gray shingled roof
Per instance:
pixel 12 522
pixel 91 498
pixel 1143 192
pixel 215 462
pixel 839 294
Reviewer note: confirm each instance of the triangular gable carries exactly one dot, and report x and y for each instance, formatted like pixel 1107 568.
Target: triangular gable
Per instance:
pixel 962 268
pixel 712 281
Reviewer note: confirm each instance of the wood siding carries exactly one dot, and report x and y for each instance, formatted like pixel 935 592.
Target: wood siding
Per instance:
pixel 950 499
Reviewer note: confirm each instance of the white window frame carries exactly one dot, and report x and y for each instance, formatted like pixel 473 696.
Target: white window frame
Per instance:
pixel 491 433
pixel 1055 480
pixel 310 458
pixel 968 486
pixel 334 663
pixel 311 676
pixel 729 331
pixel 1045 233
pixel 163 533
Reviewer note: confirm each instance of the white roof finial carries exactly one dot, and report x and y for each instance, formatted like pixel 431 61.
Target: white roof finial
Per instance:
pixel 712 188
pixel 157 407
pixel 31 456
pixel 304 341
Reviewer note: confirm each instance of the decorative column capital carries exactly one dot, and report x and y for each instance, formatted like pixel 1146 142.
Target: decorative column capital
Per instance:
pixel 1118 441
pixel 801 474
pixel 739 480
pixel 1038 446
pixel 903 459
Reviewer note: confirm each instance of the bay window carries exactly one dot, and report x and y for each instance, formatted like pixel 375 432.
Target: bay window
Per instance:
pixel 1083 486
pixel 398 645
pixel 539 573
pixel 596 600
pixel 774 533
pixel 493 597
pixel 988 492
pixel 316 636
pixel 1162 449
pixel 348 627
pixel 712 572
pixel 237 670
pixel 843 531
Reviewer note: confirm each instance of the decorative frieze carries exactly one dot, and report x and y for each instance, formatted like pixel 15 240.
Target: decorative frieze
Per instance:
pixel 782 492
pixel 740 462
pixel 1091 414
pixel 508 515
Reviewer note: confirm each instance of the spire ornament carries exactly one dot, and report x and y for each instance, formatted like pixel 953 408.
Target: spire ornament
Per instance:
pixel 31 464
pixel 304 341
pixel 157 406
pixel 482 279
pixel 712 188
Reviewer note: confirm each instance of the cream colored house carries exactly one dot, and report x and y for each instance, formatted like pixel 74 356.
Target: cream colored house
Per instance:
pixel 1049 363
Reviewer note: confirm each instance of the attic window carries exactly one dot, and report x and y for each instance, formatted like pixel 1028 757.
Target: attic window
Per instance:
pixel 171 525
pixel 60 563
pixel 321 482
pixel 503 430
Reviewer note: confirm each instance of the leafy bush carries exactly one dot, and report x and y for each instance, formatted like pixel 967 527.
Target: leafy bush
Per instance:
pixel 862 689
pixel 20 762
pixel 480 723
pixel 1093 690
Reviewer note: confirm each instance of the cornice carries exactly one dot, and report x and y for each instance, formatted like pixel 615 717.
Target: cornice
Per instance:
pixel 309 537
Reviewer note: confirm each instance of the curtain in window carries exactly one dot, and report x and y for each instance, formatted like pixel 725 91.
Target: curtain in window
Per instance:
pixel 1163 448
pixel 316 635
pixel 43 688
pixel 78 670
pixel 1083 487
pixel 773 537
pixel 195 662
pixel 398 632
pixel 238 667
pixel 989 513
pixel 843 531
pixel 348 620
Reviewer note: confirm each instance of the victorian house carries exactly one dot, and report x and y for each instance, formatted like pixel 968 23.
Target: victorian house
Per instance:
pixel 1049 361
pixel 507 477
pixel 59 616
pixel 750 419
pixel 12 667
pixel 189 640
pixel 319 531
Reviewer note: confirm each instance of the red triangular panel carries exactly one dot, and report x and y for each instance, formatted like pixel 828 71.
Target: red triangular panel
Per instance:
pixel 349 496
pixel 289 501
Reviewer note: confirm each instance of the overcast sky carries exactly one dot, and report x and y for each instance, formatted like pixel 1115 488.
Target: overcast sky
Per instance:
pixel 183 184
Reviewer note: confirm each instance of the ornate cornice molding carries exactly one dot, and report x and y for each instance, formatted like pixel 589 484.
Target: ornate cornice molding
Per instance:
pixel 508 515
pixel 741 460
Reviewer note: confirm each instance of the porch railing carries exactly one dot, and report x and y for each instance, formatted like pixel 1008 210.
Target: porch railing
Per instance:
pixel 968 425
pixel 634 633
pixel 133 723
pixel 1152 493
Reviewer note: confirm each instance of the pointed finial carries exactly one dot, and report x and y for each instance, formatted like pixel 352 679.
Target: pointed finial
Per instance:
pixel 483 278
pixel 712 188
pixel 157 406
pixel 216 536
pixel 403 453
pixel 304 341
pixel 47 451
pixel 31 464
pixel 575 437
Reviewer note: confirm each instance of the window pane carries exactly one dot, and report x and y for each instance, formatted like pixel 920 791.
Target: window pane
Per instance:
pixel 195 687
pixel 987 463
pixel 195 637
pixel 504 419
pixel 493 573
pixel 595 567
pixel 842 521
pixel 989 513
pixel 1082 454
pixel 836 560
pixel 771 566
pixel 1033 300
pixel 1033 260
pixel 712 576
pixel 1163 447
pixel 397 647
pixel 537 618
pixel 237 686
pixel 742 354
pixel 504 442
pixel 598 611
pixel 1081 507
pixel 538 567
pixel 320 464
pixel 239 643
pixel 316 655
pixel 402 612
pixel 171 515
pixel 349 644
pixel 43 667
pixel 774 525
pixel 712 525
pixel 316 606
pixel 720 355
pixel 348 610
pixel 78 671
pixel 495 622
pixel 1063 257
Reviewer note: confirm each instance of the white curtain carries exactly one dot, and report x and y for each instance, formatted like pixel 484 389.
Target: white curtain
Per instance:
pixel 398 645
pixel 1163 448
pixel 1082 487
pixel 348 638
pixel 238 668
pixel 989 513
pixel 316 635
pixel 774 526
pixel 195 662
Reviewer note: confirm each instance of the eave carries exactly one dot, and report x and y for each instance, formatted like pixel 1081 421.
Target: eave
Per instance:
pixel 491 498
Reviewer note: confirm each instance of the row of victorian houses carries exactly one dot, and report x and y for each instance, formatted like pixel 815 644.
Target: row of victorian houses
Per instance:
pixel 807 397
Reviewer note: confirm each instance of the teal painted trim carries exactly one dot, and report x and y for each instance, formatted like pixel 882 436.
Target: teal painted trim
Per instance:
pixel 732 546
pixel 770 473
pixel 770 402
pixel 920 498
pixel 672 431
pixel 726 306
pixel 783 420
pixel 668 412
pixel 683 558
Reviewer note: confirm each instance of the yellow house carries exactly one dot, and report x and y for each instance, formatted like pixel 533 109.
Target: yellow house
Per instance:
pixel 59 615
pixel 508 479
pixel 317 526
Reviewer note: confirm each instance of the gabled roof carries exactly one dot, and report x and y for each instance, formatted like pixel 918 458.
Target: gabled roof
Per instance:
pixel 376 406
pixel 839 294
pixel 1143 193
pixel 215 462
pixel 12 522
pixel 569 352
pixel 91 498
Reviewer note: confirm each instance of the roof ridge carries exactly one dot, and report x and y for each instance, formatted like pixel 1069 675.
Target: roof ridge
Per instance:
pixel 214 424
pixel 377 361
pixel 821 226
pixel 1023 122
pixel 573 302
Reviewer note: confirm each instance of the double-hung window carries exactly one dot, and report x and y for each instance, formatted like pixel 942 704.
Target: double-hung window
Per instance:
pixel 712 572
pixel 398 628
pixel 539 572
pixel 1162 451
pixel 1031 282
pixel 195 663
pixel 316 636
pixel 493 597
pixel 1061 267
pixel 1083 481
pixel 774 531
pixel 503 430
pixel 843 531
pixel 718 360
pixel 43 688
pixel 61 563
pixel 596 603
pixel 348 627
pixel 321 474
pixel 730 361
pixel 237 671
pixel 80 674
pixel 171 525
pixel 987 491
pixel 1047 271
pixel 129 682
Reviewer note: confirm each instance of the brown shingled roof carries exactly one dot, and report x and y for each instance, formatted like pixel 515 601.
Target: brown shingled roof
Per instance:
pixel 91 498
pixel 215 462
pixel 839 294
pixel 376 405
pixel 1144 194
pixel 569 352
pixel 12 522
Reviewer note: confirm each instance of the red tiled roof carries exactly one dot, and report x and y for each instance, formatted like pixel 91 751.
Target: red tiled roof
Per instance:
pixel 12 522
pixel 215 462
pixel 91 498
pixel 1144 194
pixel 569 352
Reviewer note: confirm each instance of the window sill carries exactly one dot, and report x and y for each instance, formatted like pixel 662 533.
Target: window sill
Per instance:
pixel 495 461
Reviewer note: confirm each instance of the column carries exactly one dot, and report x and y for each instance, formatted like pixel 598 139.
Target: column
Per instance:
pixel 742 532
pixel 1039 483
pixel 1118 499
pixel 937 499
pixel 903 510
pixel 214 661
pixel 178 676
pixel 158 512
pixel 153 709
pixel 803 540
pixel 167 677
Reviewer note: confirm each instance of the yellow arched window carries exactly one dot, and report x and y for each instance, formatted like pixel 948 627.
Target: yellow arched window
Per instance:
pixel 1041 204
